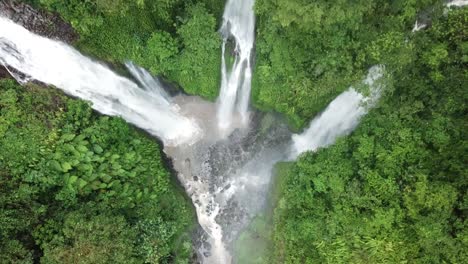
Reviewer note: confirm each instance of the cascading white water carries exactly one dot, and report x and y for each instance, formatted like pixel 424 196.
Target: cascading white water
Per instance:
pixel 418 25
pixel 227 188
pixel 227 178
pixel 457 3
pixel 239 25
pixel 149 84
pixel 340 117
pixel 53 62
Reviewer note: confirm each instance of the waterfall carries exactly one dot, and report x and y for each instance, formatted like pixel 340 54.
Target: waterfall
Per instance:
pixel 458 3
pixel 418 25
pixel 227 175
pixel 239 26
pixel 149 83
pixel 340 117
pixel 55 63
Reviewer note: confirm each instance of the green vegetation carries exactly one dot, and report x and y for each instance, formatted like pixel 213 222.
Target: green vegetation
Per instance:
pixel 174 38
pixel 395 191
pixel 310 51
pixel 76 187
pixel 253 244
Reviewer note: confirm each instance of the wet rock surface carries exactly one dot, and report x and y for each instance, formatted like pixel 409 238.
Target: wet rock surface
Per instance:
pixel 40 22
pixel 4 73
pixel 228 156
pixel 242 152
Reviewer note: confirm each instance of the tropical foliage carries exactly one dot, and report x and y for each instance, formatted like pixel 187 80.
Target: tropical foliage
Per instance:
pixel 310 51
pixel 394 191
pixel 76 187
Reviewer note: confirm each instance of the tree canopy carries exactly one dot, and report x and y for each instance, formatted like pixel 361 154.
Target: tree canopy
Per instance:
pixel 76 187
pixel 310 51
pixel 395 190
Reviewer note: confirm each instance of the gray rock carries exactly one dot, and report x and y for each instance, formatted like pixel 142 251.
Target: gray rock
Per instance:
pixel 38 21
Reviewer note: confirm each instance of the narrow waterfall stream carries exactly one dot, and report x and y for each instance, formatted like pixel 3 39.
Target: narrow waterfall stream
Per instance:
pixel 227 175
pixel 57 64
pixel 457 3
pixel 340 117
pixel 238 26
pixel 419 25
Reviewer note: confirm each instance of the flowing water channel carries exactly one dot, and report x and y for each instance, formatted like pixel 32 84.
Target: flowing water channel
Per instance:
pixel 238 27
pixel 223 152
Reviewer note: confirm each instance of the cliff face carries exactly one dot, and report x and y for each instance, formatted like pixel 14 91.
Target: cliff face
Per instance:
pixel 4 73
pixel 40 22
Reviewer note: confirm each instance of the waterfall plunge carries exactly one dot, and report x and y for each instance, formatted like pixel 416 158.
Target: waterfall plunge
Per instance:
pixel 55 63
pixel 227 178
pixel 239 25
pixel 340 117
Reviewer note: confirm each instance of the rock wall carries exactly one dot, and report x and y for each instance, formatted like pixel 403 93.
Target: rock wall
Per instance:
pixel 40 22
pixel 4 73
